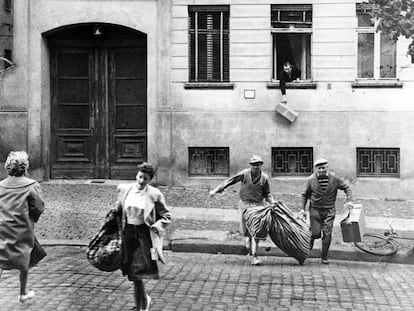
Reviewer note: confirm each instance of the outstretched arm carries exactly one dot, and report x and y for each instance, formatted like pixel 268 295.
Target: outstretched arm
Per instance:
pixel 227 183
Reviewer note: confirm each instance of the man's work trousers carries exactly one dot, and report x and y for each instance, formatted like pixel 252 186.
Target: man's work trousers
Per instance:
pixel 321 221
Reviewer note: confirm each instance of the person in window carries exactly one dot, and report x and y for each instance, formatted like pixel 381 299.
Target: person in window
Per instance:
pixel 143 209
pixel 321 189
pixel 289 73
pixel 20 207
pixel 254 191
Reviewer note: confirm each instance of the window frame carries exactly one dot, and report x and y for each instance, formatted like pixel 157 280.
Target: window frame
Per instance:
pixel 291 30
pixel 377 49
pixel 290 174
pixel 223 60
pixel 208 175
pixel 375 174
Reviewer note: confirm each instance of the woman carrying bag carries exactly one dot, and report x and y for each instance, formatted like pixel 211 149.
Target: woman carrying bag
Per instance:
pixel 144 214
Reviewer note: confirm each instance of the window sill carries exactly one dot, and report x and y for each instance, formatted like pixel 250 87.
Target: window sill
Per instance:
pixel 209 85
pixel 376 84
pixel 292 85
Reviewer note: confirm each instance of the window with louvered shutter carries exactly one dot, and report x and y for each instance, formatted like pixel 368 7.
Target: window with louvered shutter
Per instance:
pixel 208 43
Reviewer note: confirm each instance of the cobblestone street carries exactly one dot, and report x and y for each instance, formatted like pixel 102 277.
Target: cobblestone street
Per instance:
pixel 191 281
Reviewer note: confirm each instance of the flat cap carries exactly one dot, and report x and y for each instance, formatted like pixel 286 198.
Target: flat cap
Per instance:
pixel 256 159
pixel 320 162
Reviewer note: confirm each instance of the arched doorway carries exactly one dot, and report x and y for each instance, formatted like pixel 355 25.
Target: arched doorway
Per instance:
pixel 98 101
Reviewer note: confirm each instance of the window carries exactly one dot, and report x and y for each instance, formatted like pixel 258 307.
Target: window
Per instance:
pixel 8 5
pixel 209 161
pixel 208 43
pixel 376 51
pixel 378 162
pixel 292 30
pixel 7 61
pixel 292 161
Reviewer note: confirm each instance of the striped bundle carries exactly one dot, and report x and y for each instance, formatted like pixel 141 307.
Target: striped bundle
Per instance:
pixel 258 219
pixel 291 235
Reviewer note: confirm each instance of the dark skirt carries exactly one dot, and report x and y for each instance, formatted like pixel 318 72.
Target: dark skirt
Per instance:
pixel 138 264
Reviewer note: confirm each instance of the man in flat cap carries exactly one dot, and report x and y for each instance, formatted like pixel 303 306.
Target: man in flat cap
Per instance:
pixel 321 190
pixel 254 191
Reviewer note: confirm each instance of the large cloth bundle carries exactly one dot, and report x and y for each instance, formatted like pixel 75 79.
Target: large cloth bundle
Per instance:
pixel 290 234
pixel 105 250
pixel 258 218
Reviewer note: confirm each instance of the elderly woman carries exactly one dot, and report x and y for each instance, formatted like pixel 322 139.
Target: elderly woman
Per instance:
pixel 20 207
pixel 143 209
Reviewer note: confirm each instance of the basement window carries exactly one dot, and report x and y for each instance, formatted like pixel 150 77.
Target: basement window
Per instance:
pixel 209 161
pixel 378 162
pixel 292 161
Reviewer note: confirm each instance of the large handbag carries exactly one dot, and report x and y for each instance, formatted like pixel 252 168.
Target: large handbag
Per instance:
pixel 105 250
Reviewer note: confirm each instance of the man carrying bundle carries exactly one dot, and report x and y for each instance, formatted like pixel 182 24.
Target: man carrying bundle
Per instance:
pixel 321 190
pixel 253 191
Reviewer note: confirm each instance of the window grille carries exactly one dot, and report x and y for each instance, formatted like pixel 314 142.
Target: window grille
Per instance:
pixel 292 161
pixel 209 161
pixel 292 33
pixel 208 43
pixel 378 162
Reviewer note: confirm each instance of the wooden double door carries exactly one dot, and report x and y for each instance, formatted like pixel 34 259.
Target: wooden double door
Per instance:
pixel 98 108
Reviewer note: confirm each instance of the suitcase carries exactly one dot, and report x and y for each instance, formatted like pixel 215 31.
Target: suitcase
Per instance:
pixel 353 224
pixel 286 112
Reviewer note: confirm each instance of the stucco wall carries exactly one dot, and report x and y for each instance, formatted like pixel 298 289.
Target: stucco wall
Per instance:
pixel 334 118
pixel 27 88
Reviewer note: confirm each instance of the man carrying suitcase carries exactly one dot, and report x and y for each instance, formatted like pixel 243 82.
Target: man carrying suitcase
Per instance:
pixel 321 190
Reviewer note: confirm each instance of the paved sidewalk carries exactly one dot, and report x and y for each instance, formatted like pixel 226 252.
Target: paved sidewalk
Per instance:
pixel 76 209
pixel 216 240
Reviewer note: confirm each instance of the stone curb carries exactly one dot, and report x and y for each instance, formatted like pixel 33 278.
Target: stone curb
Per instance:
pixel 235 248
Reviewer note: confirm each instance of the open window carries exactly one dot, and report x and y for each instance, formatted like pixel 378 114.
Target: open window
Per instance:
pixel 292 32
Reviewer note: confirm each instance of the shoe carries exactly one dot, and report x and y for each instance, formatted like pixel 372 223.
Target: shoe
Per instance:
pixel 256 261
pixel 325 261
pixel 148 303
pixel 23 298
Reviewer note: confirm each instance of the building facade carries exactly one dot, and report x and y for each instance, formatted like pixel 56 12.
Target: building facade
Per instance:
pixel 192 86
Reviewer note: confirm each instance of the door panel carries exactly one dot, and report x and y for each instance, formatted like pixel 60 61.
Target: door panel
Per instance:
pixel 72 142
pixel 128 110
pixel 99 110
